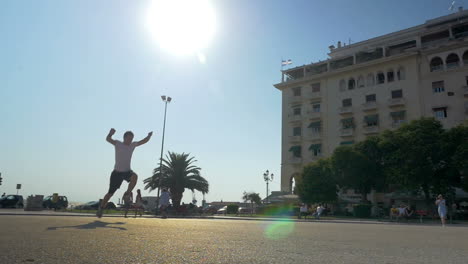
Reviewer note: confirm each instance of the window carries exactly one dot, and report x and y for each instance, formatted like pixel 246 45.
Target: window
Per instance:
pixel 438 87
pixel 351 84
pixel 371 120
pixel 315 87
pixel 380 78
pixel 347 102
pixel 440 112
pixel 297 131
pixel 297 91
pixel 452 61
pixel 465 58
pixel 401 75
pixel 360 81
pixel 347 123
pixel 316 108
pixel 296 151
pixel 297 111
pixel 342 86
pixel 316 149
pixel 397 94
pixel 466 80
pixel 315 126
pixel 437 64
pixel 390 76
pixel 398 117
pixel 370 79
pixel 371 98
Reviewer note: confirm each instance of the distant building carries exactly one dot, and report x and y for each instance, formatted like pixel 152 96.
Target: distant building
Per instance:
pixel 367 87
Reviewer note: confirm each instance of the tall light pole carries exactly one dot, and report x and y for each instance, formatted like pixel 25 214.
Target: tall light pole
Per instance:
pixel 165 100
pixel 268 178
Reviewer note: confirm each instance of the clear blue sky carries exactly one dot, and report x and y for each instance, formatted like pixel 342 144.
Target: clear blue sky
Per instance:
pixel 71 70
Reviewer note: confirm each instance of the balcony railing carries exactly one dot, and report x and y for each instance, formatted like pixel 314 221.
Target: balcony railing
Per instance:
pixel 397 123
pixel 313 136
pixel 371 129
pixel 346 132
pixel 369 106
pixel 314 95
pixel 345 109
pixel 313 115
pixel 396 101
pixel 465 90
pixel 295 139
pixel 295 99
pixel 295 160
pixel 294 118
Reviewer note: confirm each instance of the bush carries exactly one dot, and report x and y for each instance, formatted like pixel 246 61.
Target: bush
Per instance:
pixel 232 209
pixel 362 210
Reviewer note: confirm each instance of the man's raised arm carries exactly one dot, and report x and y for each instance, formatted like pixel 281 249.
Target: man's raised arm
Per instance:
pixel 109 136
pixel 146 139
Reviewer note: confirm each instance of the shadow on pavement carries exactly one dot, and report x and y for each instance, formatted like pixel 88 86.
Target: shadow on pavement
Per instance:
pixel 92 225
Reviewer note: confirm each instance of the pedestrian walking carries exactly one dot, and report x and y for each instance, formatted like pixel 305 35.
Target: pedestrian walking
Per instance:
pixel 441 208
pixel 164 202
pixel 303 211
pixel 122 170
pixel 138 204
pixel 128 202
pixel 318 212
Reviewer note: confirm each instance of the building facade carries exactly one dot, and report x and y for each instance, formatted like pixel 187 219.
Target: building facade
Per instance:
pixel 367 87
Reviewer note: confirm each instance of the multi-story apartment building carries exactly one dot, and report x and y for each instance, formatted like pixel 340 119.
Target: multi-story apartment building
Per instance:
pixel 367 87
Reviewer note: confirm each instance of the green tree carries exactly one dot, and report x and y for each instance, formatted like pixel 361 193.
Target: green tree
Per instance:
pixel 353 170
pixel 178 174
pixel 455 151
pixel 317 184
pixel 414 158
pixel 253 198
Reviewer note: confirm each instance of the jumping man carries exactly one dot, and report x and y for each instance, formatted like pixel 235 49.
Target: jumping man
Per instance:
pixel 122 170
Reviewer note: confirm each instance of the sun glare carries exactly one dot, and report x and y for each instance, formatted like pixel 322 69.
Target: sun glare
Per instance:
pixel 181 26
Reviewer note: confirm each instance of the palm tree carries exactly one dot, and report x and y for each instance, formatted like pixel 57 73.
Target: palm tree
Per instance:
pixel 253 198
pixel 179 174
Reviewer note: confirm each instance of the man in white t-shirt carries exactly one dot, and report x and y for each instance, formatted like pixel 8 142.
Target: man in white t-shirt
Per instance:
pixel 122 170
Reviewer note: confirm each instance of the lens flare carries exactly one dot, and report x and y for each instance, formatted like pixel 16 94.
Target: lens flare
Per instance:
pixel 281 228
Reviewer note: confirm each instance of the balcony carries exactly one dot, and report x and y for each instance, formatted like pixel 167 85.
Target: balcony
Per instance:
pixel 314 95
pixel 396 101
pixel 371 130
pixel 295 160
pixel 465 90
pixel 294 118
pixel 293 139
pixel 369 106
pixel 397 123
pixel 295 99
pixel 313 136
pixel 314 115
pixel 346 132
pixel 345 109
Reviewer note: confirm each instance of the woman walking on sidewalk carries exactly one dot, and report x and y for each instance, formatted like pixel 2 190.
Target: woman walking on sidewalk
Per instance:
pixel 441 208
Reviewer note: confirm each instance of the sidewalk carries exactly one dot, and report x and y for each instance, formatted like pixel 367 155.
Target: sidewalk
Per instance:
pixel 222 217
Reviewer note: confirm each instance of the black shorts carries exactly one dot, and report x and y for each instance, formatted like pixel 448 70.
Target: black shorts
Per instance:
pixel 116 179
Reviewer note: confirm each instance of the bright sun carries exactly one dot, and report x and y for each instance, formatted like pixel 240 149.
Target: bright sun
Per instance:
pixel 182 26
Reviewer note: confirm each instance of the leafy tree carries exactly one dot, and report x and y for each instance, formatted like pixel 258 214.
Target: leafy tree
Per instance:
pixel 455 151
pixel 178 174
pixel 413 157
pixel 317 184
pixel 253 198
pixel 354 170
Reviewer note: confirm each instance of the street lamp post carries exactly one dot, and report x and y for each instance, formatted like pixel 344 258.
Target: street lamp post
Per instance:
pixel 165 100
pixel 268 178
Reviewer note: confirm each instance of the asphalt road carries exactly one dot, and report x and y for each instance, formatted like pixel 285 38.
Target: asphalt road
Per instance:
pixel 60 239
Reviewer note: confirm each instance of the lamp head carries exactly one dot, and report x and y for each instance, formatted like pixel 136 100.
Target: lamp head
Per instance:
pixel 169 99
pixel 163 97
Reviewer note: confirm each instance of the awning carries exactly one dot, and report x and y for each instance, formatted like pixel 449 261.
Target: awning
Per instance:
pixel 398 114
pixel 295 148
pixel 348 122
pixel 347 142
pixel 371 118
pixel 315 147
pixel 315 124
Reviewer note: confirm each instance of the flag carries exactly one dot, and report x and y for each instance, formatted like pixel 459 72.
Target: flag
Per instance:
pixel 452 6
pixel 286 62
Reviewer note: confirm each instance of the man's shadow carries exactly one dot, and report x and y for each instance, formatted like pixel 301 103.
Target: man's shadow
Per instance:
pixel 93 225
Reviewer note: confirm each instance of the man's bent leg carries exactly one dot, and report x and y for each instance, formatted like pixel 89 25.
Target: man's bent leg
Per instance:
pixel 132 183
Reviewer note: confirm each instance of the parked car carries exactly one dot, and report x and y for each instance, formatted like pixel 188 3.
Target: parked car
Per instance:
pixel 244 210
pixel 222 210
pixel 61 203
pixel 93 205
pixel 12 201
